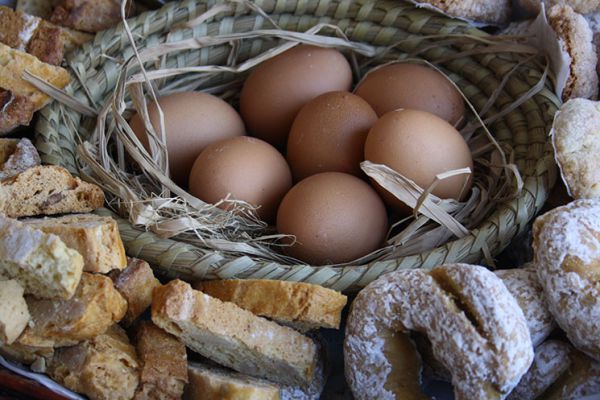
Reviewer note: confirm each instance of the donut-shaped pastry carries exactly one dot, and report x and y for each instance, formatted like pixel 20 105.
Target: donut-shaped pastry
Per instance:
pixel 551 360
pixel 523 284
pixel 566 244
pixel 475 326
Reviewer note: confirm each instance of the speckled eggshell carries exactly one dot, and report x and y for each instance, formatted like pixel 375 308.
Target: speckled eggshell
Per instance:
pixel 193 120
pixel 277 89
pixel 413 86
pixel 328 135
pixel 335 218
pixel 419 145
pixel 247 168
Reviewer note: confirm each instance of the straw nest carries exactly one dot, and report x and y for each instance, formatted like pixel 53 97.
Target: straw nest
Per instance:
pixel 209 46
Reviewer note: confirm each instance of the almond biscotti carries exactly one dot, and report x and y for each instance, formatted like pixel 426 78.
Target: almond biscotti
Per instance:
pixel 95 307
pixel 18 98
pixel 163 364
pixel 27 355
pixel 234 337
pixel 47 190
pixel 41 263
pixel 14 315
pixel 136 283
pixel 301 305
pixel 103 368
pixel 88 15
pixel 95 237
pixel 214 383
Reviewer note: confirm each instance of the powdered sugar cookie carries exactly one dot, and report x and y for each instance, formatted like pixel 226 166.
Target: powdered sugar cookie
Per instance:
pixel 475 326
pixel 566 243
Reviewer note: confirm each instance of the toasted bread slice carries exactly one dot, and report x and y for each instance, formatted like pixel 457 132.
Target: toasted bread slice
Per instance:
pixel 95 237
pixel 41 263
pixel 103 368
pixel 163 361
pixel 303 306
pixel 234 337
pixel 135 283
pixel 95 307
pixel 47 190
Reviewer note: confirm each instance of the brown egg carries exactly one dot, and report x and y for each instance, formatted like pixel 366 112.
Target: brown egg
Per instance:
pixel 193 120
pixel 419 145
pixel 335 218
pixel 329 134
pixel 418 87
pixel 247 168
pixel 277 89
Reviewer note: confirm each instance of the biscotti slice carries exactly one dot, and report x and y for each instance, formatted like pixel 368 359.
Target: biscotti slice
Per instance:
pixel 14 315
pixel 47 190
pixel 41 263
pixel 234 337
pixel 39 8
pixel 103 368
pixel 31 34
pixel 163 361
pixel 17 156
pixel 89 15
pixel 136 283
pixel 214 383
pixel 95 307
pixel 95 237
pixel 301 305
pixel 13 64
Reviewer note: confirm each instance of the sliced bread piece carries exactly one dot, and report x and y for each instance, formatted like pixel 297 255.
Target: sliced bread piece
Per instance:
pixel 13 64
pixel 136 283
pixel 95 237
pixel 47 190
pixel 40 262
pixel 163 360
pixel 303 306
pixel 214 383
pixel 103 368
pixel 234 337
pixel 14 315
pixel 17 156
pixel 31 34
pixel 95 307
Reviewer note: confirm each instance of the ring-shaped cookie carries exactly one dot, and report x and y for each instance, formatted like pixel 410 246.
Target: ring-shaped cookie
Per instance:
pixel 475 326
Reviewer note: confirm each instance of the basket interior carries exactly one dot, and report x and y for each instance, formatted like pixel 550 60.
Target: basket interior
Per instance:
pixel 413 32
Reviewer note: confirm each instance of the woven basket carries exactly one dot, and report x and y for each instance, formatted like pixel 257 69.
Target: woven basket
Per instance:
pixel 376 22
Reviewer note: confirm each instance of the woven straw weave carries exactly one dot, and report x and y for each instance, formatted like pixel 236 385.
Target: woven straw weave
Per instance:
pixel 376 22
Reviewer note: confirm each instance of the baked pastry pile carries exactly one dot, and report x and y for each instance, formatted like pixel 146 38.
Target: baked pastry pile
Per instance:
pixel 72 305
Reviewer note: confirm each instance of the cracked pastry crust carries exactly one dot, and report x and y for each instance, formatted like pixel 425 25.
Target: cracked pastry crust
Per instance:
pixel 566 244
pixel 576 37
pixel 476 328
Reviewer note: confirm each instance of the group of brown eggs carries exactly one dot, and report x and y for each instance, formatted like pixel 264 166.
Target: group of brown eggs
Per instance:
pixel 310 133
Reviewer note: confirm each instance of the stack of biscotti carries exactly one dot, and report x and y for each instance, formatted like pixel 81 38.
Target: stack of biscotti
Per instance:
pixel 245 327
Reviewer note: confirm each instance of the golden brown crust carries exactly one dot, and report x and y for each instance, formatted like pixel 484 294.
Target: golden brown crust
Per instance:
pixel 136 283
pixel 234 337
pixel 47 190
pixel 95 307
pixel 103 368
pixel 95 237
pixel 301 305
pixel 163 361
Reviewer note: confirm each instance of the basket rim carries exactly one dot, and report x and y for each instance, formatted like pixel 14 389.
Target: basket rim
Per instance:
pixel 520 210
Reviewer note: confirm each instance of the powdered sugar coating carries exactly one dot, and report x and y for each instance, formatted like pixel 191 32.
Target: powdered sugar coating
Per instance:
pixel 550 361
pixel 576 140
pixel 566 243
pixel 523 284
pixel 487 358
